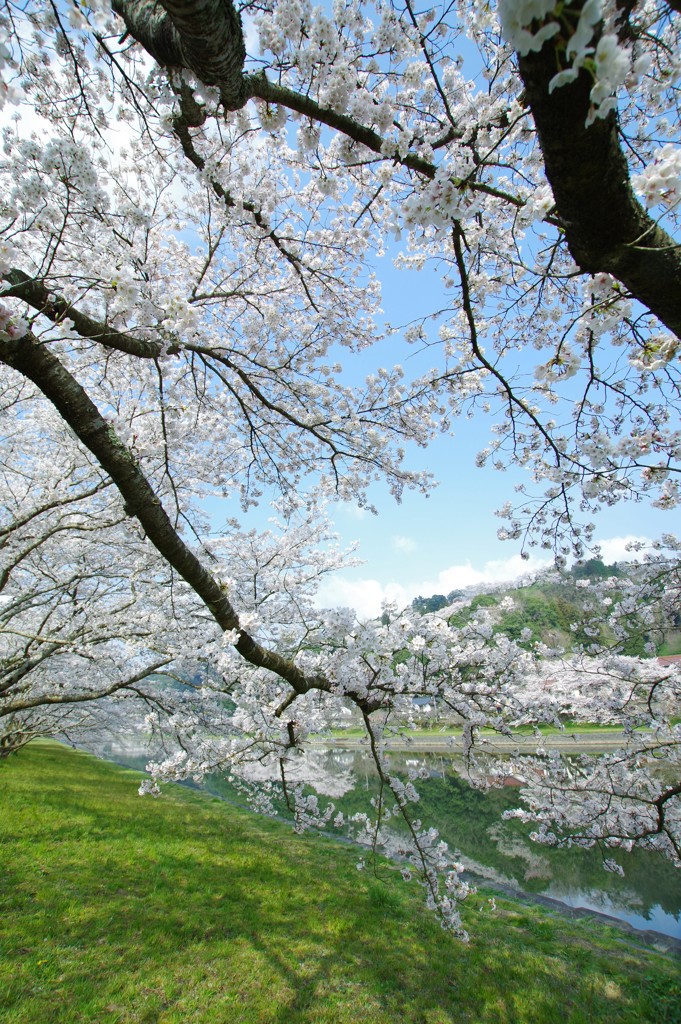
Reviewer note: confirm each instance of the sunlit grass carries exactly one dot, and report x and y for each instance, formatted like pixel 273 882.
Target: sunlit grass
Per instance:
pixel 116 909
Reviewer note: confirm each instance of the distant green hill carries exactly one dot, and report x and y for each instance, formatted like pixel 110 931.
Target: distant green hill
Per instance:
pixel 556 610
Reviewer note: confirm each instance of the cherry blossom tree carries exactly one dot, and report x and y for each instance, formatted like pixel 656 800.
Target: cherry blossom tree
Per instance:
pixel 193 195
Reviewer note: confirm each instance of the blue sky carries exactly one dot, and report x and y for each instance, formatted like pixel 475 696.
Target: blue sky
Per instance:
pixel 448 540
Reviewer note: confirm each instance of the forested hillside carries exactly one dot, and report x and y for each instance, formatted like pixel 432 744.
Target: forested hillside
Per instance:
pixel 559 610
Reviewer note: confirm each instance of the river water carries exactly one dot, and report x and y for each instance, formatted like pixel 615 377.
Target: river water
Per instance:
pixel 648 896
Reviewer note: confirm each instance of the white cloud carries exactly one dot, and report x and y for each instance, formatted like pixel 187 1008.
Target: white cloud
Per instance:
pixel 500 570
pixel 405 544
pixel 614 549
pixel 367 596
pixel 351 511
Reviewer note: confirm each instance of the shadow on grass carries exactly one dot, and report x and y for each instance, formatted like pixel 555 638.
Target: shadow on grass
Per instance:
pixel 117 909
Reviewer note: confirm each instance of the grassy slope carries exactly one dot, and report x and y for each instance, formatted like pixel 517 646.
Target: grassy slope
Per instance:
pixel 182 910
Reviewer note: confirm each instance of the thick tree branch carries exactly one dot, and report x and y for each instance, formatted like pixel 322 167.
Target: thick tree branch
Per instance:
pixel 260 87
pixel 203 36
pixel 35 294
pixel 606 228
pixel 32 291
pixel 178 43
pixel 44 700
pixel 34 360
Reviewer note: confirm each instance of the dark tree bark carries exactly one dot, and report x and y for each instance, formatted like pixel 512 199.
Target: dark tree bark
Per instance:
pixel 35 361
pixel 33 292
pixel 606 228
pixel 203 36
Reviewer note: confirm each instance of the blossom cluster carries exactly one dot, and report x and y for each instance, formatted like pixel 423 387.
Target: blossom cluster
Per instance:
pixel 660 181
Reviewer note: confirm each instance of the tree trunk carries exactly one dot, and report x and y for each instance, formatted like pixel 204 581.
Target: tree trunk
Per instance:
pixel 606 228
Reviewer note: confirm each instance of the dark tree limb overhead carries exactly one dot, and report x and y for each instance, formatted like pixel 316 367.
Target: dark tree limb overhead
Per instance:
pixel 606 227
pixel 35 361
pixel 203 36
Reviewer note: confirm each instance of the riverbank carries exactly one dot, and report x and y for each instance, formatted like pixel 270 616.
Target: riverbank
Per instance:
pixel 184 910
pixel 572 881
pixel 597 741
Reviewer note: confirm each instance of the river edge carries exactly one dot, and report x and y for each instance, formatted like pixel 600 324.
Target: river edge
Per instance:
pixel 574 743
pixel 647 938
pixel 663 944
pixel 563 743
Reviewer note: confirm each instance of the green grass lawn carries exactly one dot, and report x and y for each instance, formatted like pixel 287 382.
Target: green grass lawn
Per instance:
pixel 116 909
